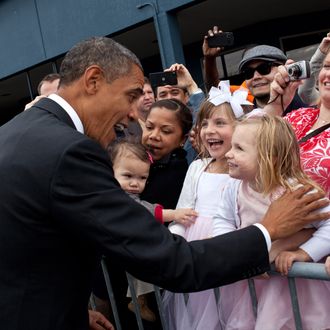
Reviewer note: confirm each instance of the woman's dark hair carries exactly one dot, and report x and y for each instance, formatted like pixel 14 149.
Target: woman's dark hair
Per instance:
pixel 182 112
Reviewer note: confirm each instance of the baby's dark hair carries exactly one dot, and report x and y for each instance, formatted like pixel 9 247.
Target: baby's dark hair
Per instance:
pixel 122 147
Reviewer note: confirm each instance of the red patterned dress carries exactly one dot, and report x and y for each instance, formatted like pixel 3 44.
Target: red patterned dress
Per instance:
pixel 314 153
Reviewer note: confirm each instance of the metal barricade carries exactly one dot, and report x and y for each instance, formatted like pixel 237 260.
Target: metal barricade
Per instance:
pixel 307 270
pixel 315 271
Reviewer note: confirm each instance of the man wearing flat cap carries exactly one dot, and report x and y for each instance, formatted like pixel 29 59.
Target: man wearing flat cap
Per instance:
pixel 258 67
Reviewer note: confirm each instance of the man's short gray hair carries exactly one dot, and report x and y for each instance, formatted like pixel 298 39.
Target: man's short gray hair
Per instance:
pixel 115 59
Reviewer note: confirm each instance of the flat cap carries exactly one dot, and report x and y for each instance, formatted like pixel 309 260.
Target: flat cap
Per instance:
pixel 262 52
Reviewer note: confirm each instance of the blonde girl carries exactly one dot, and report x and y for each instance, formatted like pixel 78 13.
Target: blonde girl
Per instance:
pixel 265 158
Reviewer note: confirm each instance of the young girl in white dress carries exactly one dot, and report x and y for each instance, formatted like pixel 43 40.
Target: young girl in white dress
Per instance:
pixel 201 191
pixel 265 158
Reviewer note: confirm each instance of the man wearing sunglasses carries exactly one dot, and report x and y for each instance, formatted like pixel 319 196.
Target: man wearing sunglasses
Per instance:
pixel 258 67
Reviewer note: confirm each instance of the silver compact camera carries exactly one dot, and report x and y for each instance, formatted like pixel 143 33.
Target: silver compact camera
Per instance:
pixel 299 70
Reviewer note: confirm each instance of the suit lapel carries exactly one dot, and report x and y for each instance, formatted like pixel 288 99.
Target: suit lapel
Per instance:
pixel 54 108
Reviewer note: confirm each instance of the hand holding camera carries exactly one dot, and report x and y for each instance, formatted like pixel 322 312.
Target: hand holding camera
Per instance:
pixel 298 70
pixel 176 74
pixel 285 84
pixel 221 39
pixel 215 40
pixel 163 78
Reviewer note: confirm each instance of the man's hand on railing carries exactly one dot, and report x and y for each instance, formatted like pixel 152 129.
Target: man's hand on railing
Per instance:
pixel 285 259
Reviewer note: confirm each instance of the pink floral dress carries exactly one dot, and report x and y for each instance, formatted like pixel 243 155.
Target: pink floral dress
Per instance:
pixel 315 153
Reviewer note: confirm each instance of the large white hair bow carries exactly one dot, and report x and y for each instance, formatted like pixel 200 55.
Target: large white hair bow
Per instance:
pixel 222 94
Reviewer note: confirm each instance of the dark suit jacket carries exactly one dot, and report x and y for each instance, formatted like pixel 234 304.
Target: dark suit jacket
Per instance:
pixel 61 208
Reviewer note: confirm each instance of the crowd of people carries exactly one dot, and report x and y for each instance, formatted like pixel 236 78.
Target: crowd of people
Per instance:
pixel 185 188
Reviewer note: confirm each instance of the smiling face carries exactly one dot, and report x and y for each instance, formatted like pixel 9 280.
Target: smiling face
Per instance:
pixel 259 84
pixel 324 82
pixel 162 133
pixel 131 173
pixel 106 104
pixel 242 158
pixel 216 132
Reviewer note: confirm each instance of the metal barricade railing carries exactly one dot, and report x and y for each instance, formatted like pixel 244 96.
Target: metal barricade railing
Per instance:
pixel 111 294
pixel 315 271
pixel 307 270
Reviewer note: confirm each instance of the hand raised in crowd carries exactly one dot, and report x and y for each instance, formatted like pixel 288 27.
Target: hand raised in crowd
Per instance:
pixel 325 44
pixel 282 91
pixel 98 321
pixel 185 80
pixel 284 261
pixel 293 211
pixel 211 74
pixel 208 51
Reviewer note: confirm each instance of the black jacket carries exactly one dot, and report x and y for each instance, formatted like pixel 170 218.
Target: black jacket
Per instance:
pixel 166 178
pixel 61 208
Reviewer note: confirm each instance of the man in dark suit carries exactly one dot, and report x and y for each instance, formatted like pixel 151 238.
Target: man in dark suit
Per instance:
pixel 61 207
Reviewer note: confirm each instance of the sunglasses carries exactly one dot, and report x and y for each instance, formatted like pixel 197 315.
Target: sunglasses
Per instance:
pixel 262 69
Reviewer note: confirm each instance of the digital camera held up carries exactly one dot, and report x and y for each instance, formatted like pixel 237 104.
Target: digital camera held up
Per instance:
pixel 299 70
pixel 222 39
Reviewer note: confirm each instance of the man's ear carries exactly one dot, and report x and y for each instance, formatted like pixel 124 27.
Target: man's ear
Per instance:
pixel 93 79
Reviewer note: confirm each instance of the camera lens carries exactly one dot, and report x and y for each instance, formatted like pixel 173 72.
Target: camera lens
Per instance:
pixel 294 71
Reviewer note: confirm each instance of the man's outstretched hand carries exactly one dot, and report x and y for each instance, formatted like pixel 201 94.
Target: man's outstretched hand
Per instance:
pixel 293 211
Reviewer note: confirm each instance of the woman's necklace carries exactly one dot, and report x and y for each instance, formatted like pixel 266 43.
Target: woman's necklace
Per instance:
pixel 323 122
pixel 325 118
pixel 319 123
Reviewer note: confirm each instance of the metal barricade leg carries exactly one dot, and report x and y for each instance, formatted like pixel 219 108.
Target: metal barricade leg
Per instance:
pixel 253 295
pixel 295 304
pixel 135 301
pixel 216 292
pixel 111 295
pixel 160 308
pixel 186 298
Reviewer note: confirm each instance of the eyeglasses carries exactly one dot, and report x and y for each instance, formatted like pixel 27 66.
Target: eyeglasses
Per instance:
pixel 262 69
